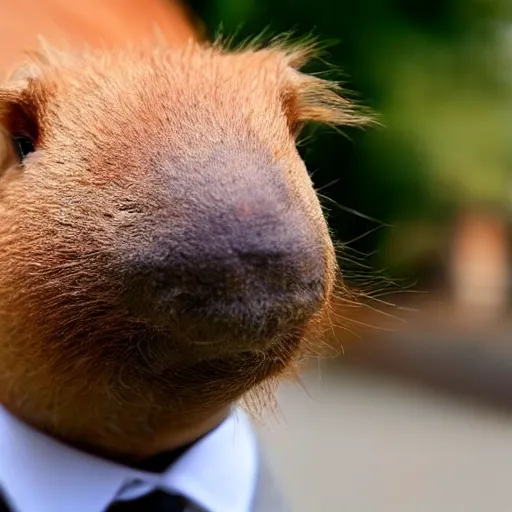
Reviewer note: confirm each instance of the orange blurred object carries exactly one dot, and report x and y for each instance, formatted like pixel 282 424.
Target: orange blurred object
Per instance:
pixel 480 264
pixel 95 22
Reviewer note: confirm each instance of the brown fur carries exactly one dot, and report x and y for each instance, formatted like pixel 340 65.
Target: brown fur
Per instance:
pixel 73 359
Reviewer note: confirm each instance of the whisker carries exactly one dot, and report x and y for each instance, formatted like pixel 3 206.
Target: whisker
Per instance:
pixel 354 212
pixel 330 184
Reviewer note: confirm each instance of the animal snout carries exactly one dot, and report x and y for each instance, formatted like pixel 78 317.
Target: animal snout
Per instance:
pixel 245 272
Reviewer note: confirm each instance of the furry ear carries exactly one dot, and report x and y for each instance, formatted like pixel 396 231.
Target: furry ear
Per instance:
pixel 311 98
pixel 306 97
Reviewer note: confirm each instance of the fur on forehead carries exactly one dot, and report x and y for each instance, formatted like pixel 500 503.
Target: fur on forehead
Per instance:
pixel 270 69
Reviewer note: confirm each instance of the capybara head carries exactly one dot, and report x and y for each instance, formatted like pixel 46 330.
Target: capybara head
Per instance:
pixel 162 248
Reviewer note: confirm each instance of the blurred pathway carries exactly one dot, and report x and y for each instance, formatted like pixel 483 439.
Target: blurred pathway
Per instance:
pixel 363 443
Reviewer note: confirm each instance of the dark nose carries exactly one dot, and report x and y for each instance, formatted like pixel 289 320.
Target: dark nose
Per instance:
pixel 246 272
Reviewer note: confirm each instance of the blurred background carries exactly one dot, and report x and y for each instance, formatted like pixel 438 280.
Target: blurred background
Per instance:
pixel 416 413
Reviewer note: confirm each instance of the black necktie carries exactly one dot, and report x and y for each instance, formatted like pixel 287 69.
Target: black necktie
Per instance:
pixel 156 501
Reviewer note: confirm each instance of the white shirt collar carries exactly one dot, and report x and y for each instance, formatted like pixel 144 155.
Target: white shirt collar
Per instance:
pixel 40 474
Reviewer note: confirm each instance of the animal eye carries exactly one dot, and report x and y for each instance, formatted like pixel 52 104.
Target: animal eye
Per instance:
pixel 23 146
